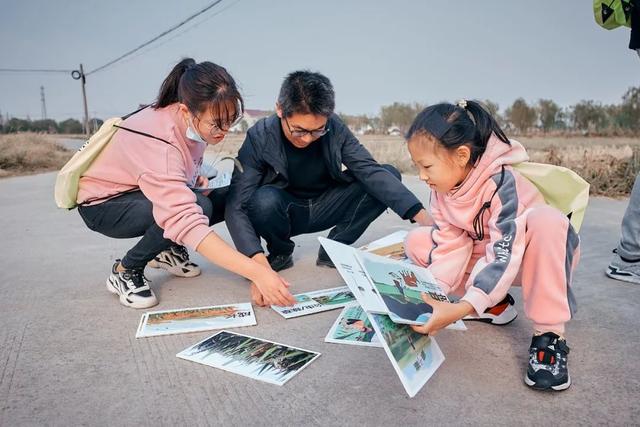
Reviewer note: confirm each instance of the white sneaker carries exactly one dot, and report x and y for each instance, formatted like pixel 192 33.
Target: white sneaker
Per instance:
pixel 500 314
pixel 132 287
pixel 176 261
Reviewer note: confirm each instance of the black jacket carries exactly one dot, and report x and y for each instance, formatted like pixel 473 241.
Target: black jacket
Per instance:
pixel 265 163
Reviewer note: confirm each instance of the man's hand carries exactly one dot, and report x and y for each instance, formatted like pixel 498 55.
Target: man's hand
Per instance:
pixel 444 314
pixel 423 218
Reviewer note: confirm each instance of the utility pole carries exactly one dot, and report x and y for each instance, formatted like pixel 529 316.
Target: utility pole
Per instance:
pixel 79 75
pixel 84 100
pixel 44 104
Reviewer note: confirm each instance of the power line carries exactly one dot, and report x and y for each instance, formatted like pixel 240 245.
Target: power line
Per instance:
pixel 164 33
pixel 54 70
pixel 186 30
pixel 33 70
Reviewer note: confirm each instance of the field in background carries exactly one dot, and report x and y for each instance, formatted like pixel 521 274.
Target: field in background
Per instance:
pixel 27 153
pixel 609 164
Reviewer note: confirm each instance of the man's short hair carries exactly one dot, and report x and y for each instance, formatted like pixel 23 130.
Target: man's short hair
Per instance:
pixel 306 92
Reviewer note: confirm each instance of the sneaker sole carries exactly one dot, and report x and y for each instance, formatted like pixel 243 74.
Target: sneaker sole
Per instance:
pixel 558 387
pixel 111 287
pixel 123 300
pixel 506 317
pixel 173 269
pixel 629 278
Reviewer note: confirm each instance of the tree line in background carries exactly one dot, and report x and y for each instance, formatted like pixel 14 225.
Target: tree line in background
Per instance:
pixel 69 126
pixel 543 116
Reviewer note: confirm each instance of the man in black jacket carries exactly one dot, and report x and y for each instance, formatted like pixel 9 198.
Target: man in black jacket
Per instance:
pixel 293 180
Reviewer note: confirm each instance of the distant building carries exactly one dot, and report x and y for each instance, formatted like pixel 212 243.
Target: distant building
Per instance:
pixel 365 129
pixel 249 119
pixel 394 131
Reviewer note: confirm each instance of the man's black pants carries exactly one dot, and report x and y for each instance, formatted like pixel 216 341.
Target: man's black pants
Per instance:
pixel 277 216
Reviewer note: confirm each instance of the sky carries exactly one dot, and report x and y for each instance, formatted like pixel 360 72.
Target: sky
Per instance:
pixel 374 52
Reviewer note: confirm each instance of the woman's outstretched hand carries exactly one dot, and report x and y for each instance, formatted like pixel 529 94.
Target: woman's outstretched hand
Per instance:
pixel 271 289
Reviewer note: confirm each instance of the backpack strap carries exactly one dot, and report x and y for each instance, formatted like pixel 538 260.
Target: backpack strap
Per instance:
pixel 137 111
pixel 132 131
pixel 143 134
pixel 137 131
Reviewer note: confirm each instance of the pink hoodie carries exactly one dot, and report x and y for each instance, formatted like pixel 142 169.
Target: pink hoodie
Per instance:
pixel 500 253
pixel 163 172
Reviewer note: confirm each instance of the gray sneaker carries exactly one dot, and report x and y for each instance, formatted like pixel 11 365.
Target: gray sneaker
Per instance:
pixel 622 270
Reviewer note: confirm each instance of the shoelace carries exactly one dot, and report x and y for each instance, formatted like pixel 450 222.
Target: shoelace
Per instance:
pixel 181 252
pixel 136 277
pixel 547 355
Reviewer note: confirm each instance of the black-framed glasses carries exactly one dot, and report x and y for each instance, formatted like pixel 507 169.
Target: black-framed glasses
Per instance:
pixel 213 128
pixel 300 133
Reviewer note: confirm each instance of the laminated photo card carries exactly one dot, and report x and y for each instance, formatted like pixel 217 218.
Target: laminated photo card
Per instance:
pixel 415 357
pixel 251 357
pixel 196 319
pixel 390 246
pixel 347 263
pixel 400 286
pixel 353 327
pixel 222 179
pixel 316 302
pixel 386 286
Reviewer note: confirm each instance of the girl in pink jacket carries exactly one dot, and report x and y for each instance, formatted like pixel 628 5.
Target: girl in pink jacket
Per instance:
pixel 492 229
pixel 145 184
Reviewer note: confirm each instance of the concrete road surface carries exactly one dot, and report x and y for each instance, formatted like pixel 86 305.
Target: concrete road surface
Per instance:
pixel 69 356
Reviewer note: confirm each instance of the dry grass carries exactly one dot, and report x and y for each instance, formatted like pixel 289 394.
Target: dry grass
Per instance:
pixel 27 153
pixel 610 165
pixel 610 170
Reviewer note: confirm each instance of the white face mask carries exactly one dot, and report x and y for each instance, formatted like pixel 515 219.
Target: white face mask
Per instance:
pixel 193 135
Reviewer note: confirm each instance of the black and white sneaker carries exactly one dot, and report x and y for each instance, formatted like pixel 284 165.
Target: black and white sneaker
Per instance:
pixel 176 261
pixel 548 363
pixel 132 287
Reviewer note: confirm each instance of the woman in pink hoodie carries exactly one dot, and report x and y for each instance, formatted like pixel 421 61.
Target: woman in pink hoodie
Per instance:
pixel 146 183
pixel 492 229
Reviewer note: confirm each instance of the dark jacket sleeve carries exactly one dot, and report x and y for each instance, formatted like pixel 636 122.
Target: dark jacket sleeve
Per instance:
pixel 243 185
pixel 377 181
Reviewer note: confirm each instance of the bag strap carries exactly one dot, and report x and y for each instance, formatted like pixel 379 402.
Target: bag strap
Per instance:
pixel 137 111
pixel 137 131
pixel 143 134
pixel 132 131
